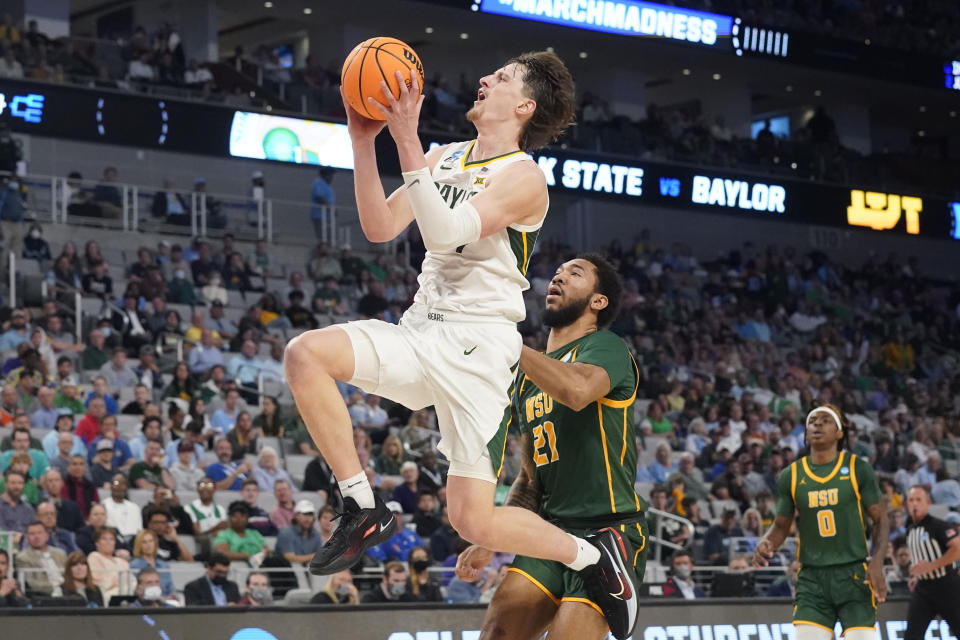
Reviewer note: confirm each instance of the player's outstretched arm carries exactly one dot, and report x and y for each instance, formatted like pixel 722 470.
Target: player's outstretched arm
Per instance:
pixel 572 384
pixel 880 538
pixel 774 539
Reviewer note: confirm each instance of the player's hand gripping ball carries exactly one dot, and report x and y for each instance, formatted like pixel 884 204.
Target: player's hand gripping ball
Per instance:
pixel 374 61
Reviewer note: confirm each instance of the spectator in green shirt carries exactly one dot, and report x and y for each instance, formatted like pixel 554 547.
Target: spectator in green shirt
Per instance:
pixel 181 289
pixel 21 462
pixel 655 423
pixel 238 542
pixel 68 397
pixel 149 473
pixel 95 355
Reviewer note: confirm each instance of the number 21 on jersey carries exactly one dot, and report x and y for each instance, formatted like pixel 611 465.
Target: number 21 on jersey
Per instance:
pixel 826 522
pixel 539 441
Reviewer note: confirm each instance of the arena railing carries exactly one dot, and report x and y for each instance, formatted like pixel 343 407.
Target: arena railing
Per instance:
pixel 656 537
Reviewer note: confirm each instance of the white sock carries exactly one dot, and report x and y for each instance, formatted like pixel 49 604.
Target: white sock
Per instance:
pixel 587 554
pixel 358 488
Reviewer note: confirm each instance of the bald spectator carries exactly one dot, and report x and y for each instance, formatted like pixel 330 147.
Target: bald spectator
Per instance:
pixel 95 355
pixel 56 537
pixel 117 373
pixel 88 429
pixel 69 516
pixel 15 513
pixel 45 414
pixel 206 354
pixel 8 404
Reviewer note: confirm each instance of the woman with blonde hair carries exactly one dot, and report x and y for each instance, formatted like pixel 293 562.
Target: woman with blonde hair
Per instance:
pixel 339 590
pixel 110 573
pixel 78 580
pixel 390 458
pixel 145 548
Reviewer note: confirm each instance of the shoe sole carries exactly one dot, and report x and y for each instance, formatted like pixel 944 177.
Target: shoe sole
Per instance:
pixel 618 561
pixel 343 562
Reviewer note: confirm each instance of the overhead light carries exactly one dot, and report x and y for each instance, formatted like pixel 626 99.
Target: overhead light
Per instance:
pixel 429 29
pixel 923 108
pixel 921 133
pixel 307 11
pixel 716 76
pixel 550 49
pixel 583 54
pixel 268 4
pixel 953 114
pixel 464 35
pixel 474 7
pixel 818 93
pixel 793 165
pixel 867 42
pixel 789 88
pixel 686 72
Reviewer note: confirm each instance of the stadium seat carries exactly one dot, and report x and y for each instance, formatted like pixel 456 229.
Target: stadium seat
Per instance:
pixel 184 572
pixel 128 426
pixel 224 498
pixel 939 510
pixel 140 497
pixel 267 501
pixel 643 489
pixel 274 442
pixel 235 299
pixel 312 496
pixel 297 597
pixel 718 507
pixel 190 543
pixel 296 466
pixel 38 433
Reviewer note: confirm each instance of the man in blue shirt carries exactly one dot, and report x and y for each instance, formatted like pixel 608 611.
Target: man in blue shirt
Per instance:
pixel 225 473
pixel 45 416
pixel 298 542
pixel 191 434
pixel 122 456
pixel 225 327
pixel 245 366
pixel 223 420
pixel 324 199
pixel 17 333
pixel 213 589
pixel 204 355
pixel 51 441
pixel 100 390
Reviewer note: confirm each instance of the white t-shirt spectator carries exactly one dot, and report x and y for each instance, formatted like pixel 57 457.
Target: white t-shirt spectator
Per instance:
pixel 124 516
pixel 363 413
pixel 199 76
pixel 206 516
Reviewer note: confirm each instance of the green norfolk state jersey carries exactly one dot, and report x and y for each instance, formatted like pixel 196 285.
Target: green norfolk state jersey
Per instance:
pixel 830 501
pixel 585 460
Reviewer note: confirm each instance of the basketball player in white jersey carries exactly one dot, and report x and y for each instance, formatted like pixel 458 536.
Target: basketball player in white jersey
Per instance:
pixel 479 206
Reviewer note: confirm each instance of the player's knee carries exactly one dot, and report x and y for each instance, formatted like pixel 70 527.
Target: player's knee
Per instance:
pixel 860 634
pixel 314 353
pixel 493 630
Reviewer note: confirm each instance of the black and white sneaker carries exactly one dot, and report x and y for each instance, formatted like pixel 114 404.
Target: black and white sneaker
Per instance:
pixel 611 582
pixel 359 529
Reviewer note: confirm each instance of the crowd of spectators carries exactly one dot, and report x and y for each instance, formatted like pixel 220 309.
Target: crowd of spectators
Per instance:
pixel 733 352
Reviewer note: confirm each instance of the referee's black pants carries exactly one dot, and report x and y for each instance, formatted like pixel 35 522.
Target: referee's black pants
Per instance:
pixel 932 597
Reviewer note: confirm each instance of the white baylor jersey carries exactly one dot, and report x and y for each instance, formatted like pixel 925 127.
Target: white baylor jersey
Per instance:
pixel 485 278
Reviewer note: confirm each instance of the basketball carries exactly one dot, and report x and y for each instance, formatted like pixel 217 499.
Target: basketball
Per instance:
pixel 374 61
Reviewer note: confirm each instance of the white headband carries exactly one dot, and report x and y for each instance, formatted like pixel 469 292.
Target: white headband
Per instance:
pixel 830 412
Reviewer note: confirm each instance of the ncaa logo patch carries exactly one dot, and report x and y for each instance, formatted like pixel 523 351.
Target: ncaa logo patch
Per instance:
pixel 844 470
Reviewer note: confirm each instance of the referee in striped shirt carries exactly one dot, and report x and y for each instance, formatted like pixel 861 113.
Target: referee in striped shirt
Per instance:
pixel 935 547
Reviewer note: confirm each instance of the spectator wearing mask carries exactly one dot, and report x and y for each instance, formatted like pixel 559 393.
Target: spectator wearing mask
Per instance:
pixel 339 590
pixel 298 542
pixel 393 586
pixel 259 593
pixel 422 585
pixel 78 580
pixel 150 589
pixel 213 589
pixel 680 584
pixel 48 561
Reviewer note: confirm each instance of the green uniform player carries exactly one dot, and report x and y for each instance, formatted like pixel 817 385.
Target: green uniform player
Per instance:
pixel 829 494
pixel 573 407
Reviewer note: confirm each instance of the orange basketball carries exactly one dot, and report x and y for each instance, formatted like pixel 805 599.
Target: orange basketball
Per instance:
pixel 374 61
